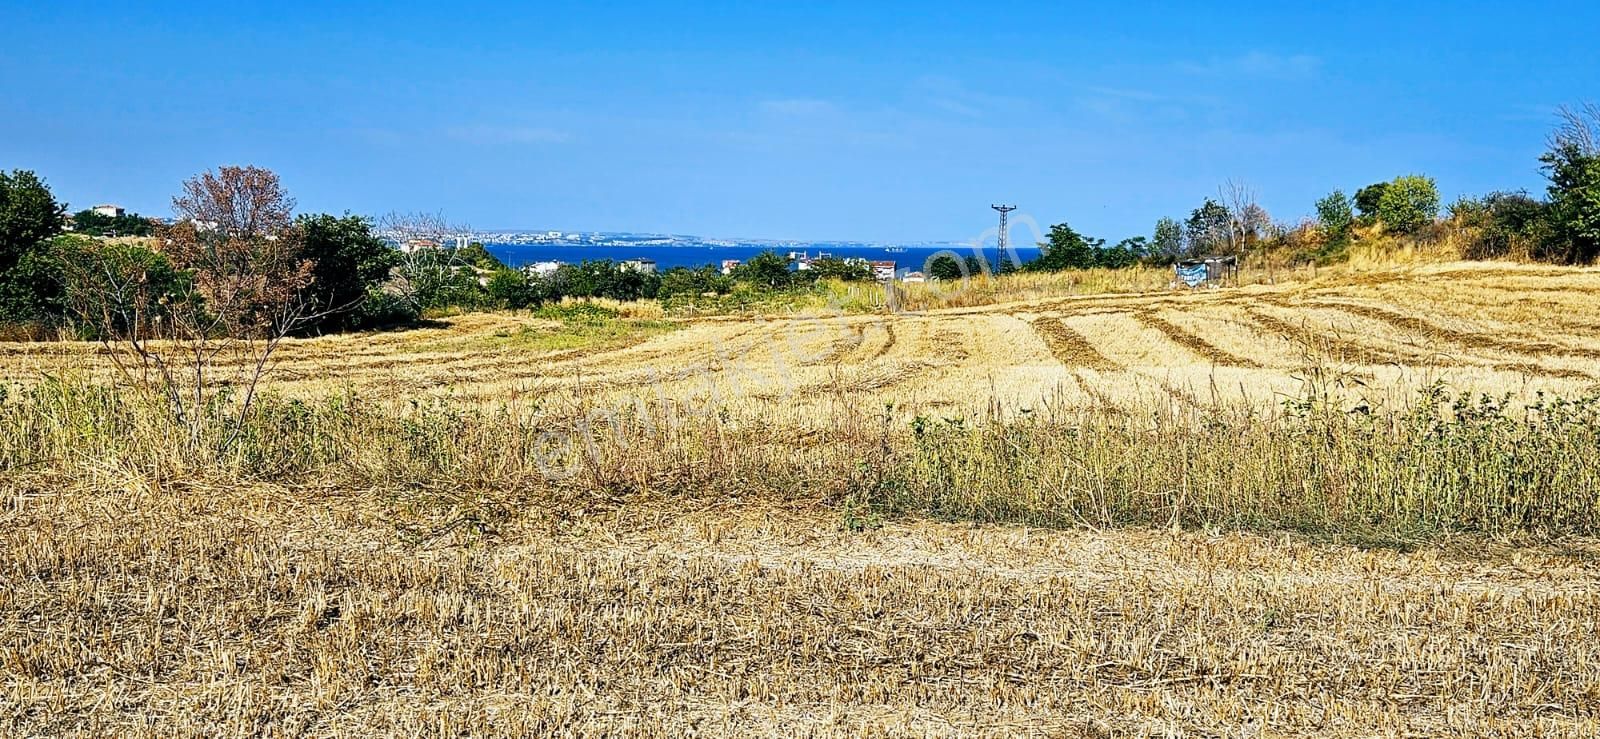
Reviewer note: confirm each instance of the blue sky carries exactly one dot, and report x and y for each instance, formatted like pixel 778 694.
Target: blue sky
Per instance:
pixel 880 121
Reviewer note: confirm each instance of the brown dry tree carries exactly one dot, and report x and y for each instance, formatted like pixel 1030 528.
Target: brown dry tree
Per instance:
pixel 203 339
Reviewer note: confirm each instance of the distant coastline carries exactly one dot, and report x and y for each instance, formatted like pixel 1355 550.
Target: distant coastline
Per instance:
pixel 682 254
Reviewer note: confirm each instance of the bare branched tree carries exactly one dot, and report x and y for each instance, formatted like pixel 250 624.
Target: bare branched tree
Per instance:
pixel 425 263
pixel 412 231
pixel 1248 223
pixel 203 339
pixel 1579 129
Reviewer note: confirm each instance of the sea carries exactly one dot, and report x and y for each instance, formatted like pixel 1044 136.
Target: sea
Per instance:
pixel 906 258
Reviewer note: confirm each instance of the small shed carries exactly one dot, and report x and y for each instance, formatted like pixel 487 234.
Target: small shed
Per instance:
pixel 1207 271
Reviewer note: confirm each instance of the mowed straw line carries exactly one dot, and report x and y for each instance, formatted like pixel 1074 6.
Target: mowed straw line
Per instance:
pixel 1184 338
pixel 1071 348
pixel 1100 396
pixel 1324 342
pixel 950 344
pixel 1464 338
pixel 1501 305
pixel 1332 344
pixel 889 340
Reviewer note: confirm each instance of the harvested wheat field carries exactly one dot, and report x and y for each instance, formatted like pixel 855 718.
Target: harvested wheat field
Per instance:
pixel 1480 328
pixel 1265 511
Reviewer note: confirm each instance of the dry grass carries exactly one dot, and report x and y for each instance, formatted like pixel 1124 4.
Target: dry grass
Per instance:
pixel 550 525
pixel 255 610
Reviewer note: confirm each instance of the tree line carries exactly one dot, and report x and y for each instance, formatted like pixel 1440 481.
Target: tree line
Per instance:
pixel 328 272
pixel 1562 227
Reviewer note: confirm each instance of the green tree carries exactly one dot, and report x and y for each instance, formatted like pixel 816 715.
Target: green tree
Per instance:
pixel 949 266
pixel 30 291
pixel 29 215
pixel 1368 198
pixel 1573 167
pixel 1126 253
pixel 90 223
pixel 510 288
pixel 1065 249
pixel 849 270
pixel 478 256
pixel 1335 214
pixel 601 278
pixel 349 263
pixel 1167 244
pixel 707 280
pixel 1210 228
pixel 766 269
pixel 117 289
pixel 1409 203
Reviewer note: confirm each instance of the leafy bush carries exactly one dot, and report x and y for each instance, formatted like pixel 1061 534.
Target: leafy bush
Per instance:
pixel 823 268
pixel 112 289
pixel 509 288
pixel 1409 203
pixel 577 312
pixel 950 267
pixel 382 309
pixel 600 278
pixel 1166 245
pixel 1335 214
pixel 1573 167
pixel 90 223
pixel 1502 224
pixel 1065 249
pixel 766 269
pixel 477 255
pixel 1369 198
pixel 29 215
pixel 682 281
pixel 349 261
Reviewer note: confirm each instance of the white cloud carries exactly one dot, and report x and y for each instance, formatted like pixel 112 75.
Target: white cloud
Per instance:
pixel 485 134
pixel 1127 94
pixel 952 96
pixel 796 106
pixel 1258 64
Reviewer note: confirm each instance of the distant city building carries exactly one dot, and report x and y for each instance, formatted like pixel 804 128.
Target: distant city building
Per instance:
pixel 641 264
pixel 552 234
pixel 110 211
pixel 543 269
pixel 728 265
pixel 883 270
